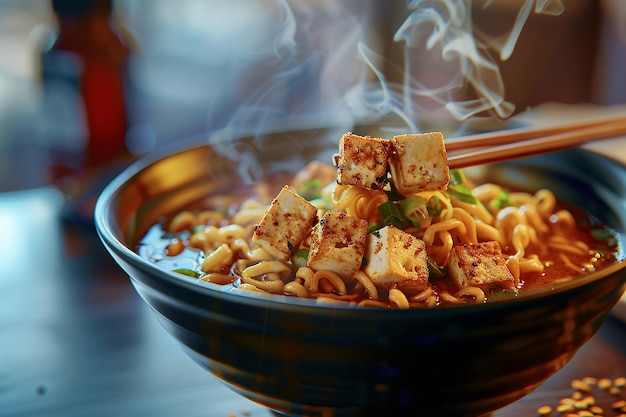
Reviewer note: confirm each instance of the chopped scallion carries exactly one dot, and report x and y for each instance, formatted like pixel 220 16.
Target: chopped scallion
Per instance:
pixel 188 272
pixel 462 193
pixel 310 190
pixel 434 206
pixel 414 208
pixel 391 215
pixel 456 177
pixel 604 236
pixel 372 227
pixel 299 258
pixel 434 271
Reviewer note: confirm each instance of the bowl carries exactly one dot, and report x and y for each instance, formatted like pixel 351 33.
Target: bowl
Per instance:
pixel 297 358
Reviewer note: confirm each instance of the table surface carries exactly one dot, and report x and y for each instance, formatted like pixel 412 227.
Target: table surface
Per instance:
pixel 77 340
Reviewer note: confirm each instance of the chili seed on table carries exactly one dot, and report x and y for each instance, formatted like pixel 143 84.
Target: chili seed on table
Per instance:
pixel 544 410
pixel 582 402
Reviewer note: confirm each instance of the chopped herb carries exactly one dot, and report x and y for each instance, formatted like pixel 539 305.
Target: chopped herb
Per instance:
pixel 498 292
pixel 434 206
pixel 457 176
pixel 391 215
pixel 462 193
pixel 188 272
pixel 434 271
pixel 373 227
pixel 604 236
pixel 290 245
pixel 415 209
pixel 299 259
pixel 310 190
pixel 198 228
pixel 501 201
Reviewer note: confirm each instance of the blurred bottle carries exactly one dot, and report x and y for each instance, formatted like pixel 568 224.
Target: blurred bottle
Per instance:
pixel 86 69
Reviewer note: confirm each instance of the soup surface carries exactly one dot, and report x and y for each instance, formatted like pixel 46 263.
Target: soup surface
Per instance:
pixel 335 242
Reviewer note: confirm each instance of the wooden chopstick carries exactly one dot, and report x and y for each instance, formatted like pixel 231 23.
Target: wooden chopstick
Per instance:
pixel 501 137
pixel 507 145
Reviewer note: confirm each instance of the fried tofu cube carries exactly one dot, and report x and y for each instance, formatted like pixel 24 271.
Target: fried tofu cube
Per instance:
pixel 363 161
pixel 338 244
pixel 285 224
pixel 394 256
pixel 419 162
pixel 480 265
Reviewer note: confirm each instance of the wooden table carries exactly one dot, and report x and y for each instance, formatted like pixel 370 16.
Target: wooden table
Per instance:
pixel 76 340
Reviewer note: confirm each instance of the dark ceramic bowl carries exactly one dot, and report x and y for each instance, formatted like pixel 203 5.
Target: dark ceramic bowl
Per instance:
pixel 300 359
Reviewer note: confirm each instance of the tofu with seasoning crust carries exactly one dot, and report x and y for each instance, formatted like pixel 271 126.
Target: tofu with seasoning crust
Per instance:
pixel 285 224
pixel 338 244
pixel 394 256
pixel 363 161
pixel 419 162
pixel 480 265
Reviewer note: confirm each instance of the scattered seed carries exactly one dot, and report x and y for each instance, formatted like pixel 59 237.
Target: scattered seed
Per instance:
pixel 579 385
pixel 596 410
pixel 605 383
pixel 565 408
pixel 544 410
pixel 614 390
pixel 618 404
pixel 591 381
pixel 619 382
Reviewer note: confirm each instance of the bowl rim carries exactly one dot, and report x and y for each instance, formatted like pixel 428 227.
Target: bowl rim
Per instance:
pixel 107 233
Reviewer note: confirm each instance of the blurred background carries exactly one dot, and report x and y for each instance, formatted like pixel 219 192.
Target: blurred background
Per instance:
pixel 86 86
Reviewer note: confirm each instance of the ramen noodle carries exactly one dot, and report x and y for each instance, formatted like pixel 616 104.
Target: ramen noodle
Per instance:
pixel 358 238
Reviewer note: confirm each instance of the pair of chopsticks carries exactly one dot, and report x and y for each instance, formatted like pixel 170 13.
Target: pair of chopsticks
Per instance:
pixel 518 143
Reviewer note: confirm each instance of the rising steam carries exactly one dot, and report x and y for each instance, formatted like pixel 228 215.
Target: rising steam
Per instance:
pixel 447 65
pixel 330 65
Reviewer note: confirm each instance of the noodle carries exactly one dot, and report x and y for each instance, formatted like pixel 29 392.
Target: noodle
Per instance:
pixel 541 242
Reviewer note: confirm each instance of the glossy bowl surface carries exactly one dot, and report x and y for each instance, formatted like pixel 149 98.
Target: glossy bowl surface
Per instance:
pixel 300 359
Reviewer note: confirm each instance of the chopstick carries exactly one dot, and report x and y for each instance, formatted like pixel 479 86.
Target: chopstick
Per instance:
pixel 507 145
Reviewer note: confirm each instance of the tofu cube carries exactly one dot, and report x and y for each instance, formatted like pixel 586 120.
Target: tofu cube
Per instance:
pixel 395 256
pixel 338 244
pixel 363 161
pixel 419 162
pixel 285 224
pixel 480 265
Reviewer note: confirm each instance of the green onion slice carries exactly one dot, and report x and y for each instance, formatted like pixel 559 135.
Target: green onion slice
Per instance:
pixel 188 272
pixel 310 190
pixel 462 193
pixel 372 227
pixel 457 176
pixel 434 206
pixel 434 271
pixel 391 215
pixel 300 257
pixel 414 208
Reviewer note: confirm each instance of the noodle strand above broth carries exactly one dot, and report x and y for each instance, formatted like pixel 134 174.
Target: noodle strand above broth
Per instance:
pixel 384 241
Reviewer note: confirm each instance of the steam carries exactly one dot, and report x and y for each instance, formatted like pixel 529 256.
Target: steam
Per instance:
pixel 448 67
pixel 329 63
